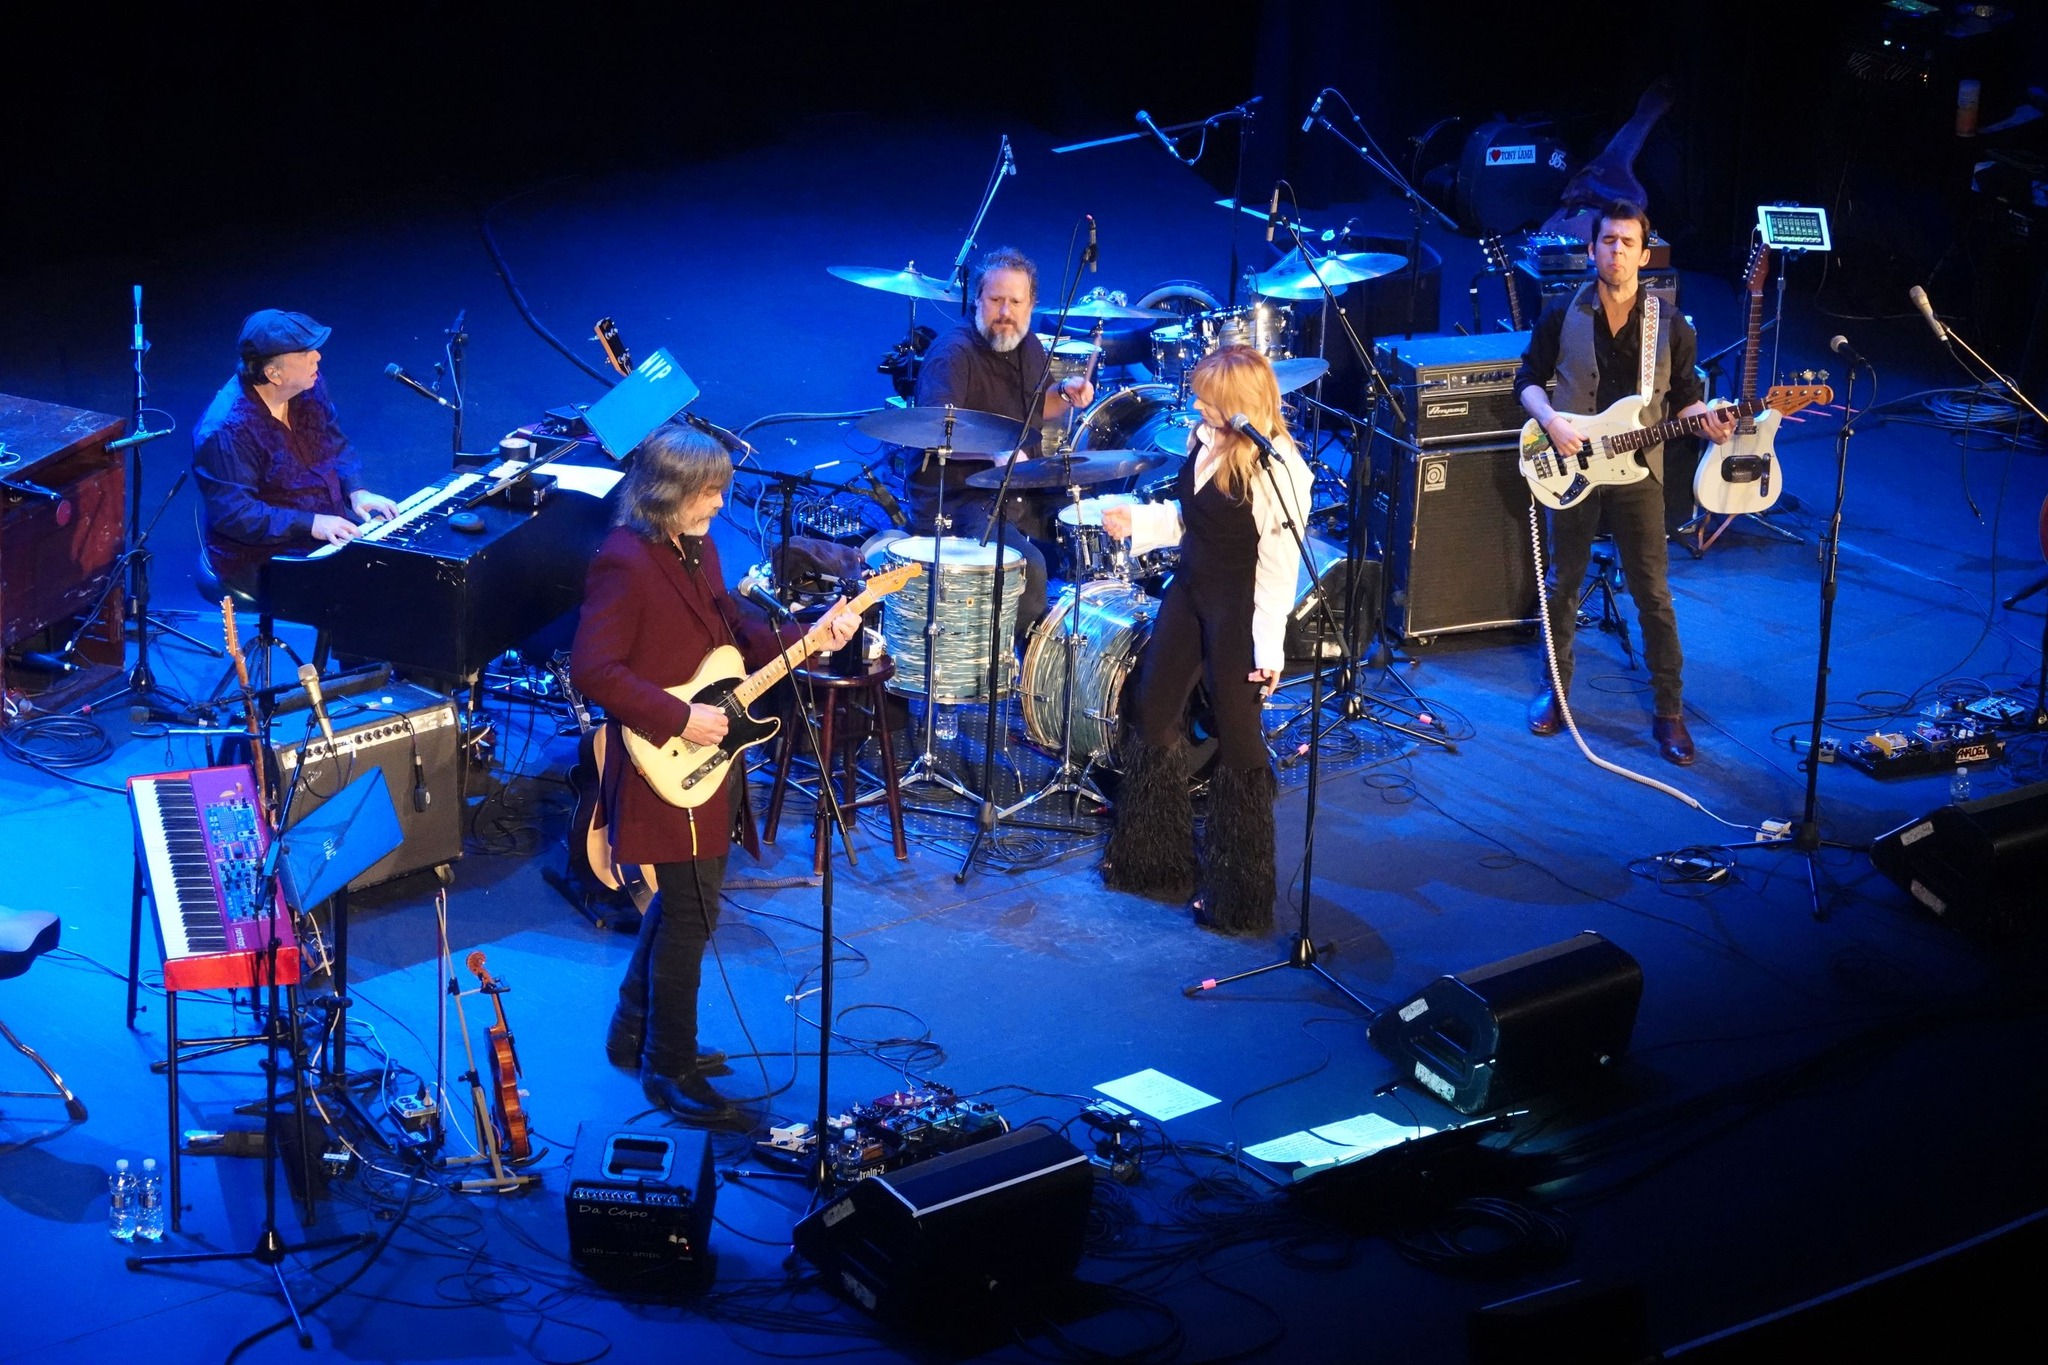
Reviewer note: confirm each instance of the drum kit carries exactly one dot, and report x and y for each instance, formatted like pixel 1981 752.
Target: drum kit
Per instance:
pixel 1078 658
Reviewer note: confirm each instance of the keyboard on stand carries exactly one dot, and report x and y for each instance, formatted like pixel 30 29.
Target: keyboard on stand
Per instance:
pixel 201 838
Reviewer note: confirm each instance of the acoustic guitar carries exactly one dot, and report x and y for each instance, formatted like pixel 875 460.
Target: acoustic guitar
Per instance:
pixel 590 843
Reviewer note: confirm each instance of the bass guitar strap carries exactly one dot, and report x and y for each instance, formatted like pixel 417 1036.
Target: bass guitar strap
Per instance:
pixel 1646 362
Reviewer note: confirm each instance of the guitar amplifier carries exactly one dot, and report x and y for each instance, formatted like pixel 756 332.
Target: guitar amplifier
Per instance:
pixel 412 735
pixel 1551 283
pixel 1457 388
pixel 1454 526
pixel 640 1204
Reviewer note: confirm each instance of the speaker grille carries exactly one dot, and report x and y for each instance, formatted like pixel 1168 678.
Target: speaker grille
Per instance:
pixel 1459 539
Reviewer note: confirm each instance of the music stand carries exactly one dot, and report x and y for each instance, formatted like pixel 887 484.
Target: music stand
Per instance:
pixel 337 842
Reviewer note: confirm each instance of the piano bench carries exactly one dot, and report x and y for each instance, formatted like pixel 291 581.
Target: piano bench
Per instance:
pixel 26 935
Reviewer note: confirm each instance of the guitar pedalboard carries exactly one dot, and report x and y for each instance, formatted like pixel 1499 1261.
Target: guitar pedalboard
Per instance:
pixel 1930 747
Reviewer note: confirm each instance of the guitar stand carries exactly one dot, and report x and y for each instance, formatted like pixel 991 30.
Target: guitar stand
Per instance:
pixel 1701 542
pixel 1606 581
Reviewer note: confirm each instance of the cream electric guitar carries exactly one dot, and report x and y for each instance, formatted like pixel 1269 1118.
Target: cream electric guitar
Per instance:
pixel 686 774
pixel 1742 475
pixel 1616 438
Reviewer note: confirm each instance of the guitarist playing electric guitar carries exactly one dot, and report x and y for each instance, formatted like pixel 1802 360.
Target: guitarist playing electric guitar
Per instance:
pixel 1602 344
pixel 655 608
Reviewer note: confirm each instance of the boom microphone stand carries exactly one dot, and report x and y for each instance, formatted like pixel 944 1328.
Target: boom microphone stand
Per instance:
pixel 991 813
pixel 1302 953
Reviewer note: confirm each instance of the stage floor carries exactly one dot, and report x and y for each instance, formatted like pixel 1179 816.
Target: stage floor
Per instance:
pixel 1808 1101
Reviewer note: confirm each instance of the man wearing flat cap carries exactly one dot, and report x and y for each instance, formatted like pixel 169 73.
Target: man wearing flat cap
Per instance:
pixel 276 472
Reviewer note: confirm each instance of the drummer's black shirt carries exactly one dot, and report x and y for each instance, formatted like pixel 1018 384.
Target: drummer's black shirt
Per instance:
pixel 961 368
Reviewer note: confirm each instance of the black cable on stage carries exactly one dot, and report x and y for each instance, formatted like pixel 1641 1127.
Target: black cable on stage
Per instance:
pixel 504 269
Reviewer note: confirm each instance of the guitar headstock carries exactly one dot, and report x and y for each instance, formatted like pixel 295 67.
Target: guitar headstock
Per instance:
pixel 880 585
pixel 1759 266
pixel 230 640
pixel 1789 398
pixel 1496 253
pixel 615 351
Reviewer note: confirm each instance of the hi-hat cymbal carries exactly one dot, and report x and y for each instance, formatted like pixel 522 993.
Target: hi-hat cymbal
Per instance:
pixel 1097 466
pixel 1299 373
pixel 1102 308
pixel 910 282
pixel 1293 280
pixel 971 432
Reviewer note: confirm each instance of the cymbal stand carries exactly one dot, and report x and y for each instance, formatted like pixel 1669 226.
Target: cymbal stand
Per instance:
pixel 1302 953
pixel 1006 164
pixel 1068 780
pixel 1355 702
pixel 926 769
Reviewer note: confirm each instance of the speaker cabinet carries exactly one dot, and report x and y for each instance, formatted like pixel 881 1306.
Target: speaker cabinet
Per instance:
pixel 941 1241
pixel 639 1205
pixel 1500 1034
pixel 412 735
pixel 1979 865
pixel 1455 524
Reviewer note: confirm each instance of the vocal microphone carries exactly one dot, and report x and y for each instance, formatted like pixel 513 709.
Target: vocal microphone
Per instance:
pixel 1273 211
pixel 1091 255
pixel 1242 425
pixel 1171 146
pixel 760 596
pixel 1841 347
pixel 137 439
pixel 138 345
pixel 1919 297
pixel 309 678
pixel 421 389
pixel 886 500
pixel 1313 110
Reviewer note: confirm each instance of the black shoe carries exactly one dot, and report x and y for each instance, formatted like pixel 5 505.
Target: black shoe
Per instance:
pixel 1544 716
pixel 690 1098
pixel 622 1045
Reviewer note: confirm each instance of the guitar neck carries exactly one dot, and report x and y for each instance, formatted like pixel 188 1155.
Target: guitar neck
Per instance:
pixel 1642 438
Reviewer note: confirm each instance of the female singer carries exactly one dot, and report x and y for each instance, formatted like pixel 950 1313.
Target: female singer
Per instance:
pixel 1223 623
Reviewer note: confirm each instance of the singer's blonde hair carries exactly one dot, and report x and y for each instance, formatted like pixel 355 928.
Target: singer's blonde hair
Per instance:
pixel 1233 380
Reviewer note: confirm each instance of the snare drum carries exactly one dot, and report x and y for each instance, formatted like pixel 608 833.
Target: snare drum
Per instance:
pixel 1144 417
pixel 965 571
pixel 1115 621
pixel 1086 552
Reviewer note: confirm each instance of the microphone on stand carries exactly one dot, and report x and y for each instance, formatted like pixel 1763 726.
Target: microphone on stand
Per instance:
pixel 1313 110
pixel 1919 297
pixel 1171 146
pixel 137 439
pixel 309 678
pixel 1273 211
pixel 1841 347
pixel 49 663
pixel 761 597
pixel 421 389
pixel 1242 425
pixel 1092 255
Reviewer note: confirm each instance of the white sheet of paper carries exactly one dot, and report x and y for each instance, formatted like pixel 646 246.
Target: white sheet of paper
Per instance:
pixel 1156 1093
pixel 1370 1132
pixel 577 478
pixel 1301 1149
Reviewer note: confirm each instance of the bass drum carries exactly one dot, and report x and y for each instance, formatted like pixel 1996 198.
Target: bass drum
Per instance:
pixel 1144 417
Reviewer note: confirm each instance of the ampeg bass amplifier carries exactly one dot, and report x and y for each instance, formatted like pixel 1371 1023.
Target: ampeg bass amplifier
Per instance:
pixel 1456 388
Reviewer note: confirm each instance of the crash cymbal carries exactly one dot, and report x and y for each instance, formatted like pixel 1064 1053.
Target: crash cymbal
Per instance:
pixel 910 282
pixel 973 433
pixel 1299 373
pixel 1293 280
pixel 1102 308
pixel 1097 466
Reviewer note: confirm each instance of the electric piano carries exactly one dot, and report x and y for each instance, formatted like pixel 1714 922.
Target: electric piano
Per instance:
pixel 449 583
pixel 200 842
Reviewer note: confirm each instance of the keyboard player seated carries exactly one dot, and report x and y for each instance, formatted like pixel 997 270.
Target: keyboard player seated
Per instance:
pixel 274 469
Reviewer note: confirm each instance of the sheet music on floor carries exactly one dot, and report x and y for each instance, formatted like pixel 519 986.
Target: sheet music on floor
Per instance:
pixel 1333 1144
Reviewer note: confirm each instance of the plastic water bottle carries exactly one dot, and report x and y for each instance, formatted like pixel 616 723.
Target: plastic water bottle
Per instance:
pixel 946 725
pixel 121 1199
pixel 1959 785
pixel 149 1204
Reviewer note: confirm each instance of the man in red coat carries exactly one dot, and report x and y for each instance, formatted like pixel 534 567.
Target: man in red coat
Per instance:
pixel 654 607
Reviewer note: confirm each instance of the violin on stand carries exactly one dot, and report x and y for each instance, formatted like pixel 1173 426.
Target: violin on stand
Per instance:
pixel 500 1118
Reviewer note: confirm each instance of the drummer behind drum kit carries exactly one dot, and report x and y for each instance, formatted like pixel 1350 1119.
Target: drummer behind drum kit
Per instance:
pixel 1077 660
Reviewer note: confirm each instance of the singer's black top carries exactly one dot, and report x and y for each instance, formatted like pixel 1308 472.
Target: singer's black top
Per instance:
pixel 263 482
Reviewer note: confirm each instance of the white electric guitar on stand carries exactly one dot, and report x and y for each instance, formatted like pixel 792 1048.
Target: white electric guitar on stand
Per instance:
pixel 1741 476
